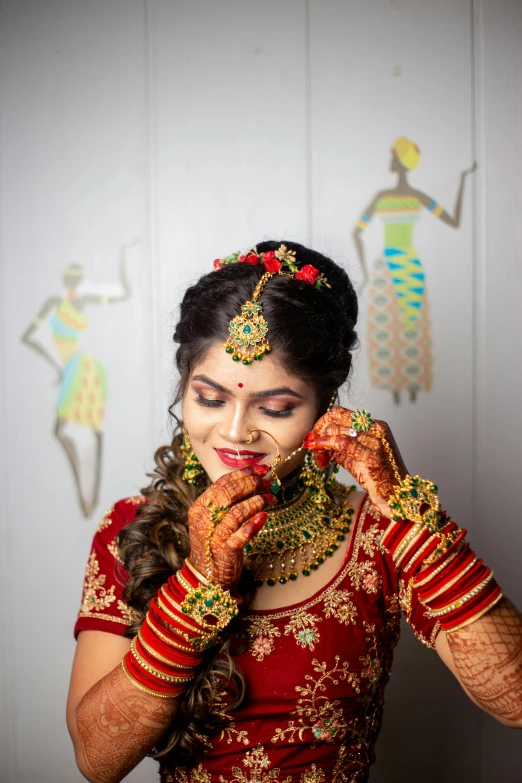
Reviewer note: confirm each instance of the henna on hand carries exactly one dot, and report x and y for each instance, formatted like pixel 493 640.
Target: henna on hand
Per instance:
pixel 363 456
pixel 245 494
pixel 488 658
pixel 119 724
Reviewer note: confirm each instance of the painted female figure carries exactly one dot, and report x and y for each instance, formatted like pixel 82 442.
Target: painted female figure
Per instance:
pixel 399 325
pixel 81 377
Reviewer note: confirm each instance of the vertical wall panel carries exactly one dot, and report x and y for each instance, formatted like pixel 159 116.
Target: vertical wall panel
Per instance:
pixel 382 70
pixel 72 192
pixel 228 138
pixel 498 421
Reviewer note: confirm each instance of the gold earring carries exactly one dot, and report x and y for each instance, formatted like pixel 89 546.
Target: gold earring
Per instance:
pixel 193 467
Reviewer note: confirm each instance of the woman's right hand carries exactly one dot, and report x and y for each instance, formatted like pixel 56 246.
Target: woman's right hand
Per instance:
pixel 237 499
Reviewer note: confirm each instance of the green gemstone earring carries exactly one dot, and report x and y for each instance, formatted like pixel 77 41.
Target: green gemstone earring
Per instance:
pixel 193 467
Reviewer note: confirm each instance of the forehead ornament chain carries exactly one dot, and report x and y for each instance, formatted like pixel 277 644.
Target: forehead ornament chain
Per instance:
pixel 247 340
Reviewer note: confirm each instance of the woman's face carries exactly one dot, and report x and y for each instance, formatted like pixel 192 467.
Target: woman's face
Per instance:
pixel 225 399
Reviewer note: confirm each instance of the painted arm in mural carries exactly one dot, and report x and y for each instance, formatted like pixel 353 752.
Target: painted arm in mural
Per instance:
pixel 28 336
pixel 438 211
pixel 356 234
pixel 97 299
pixel 486 656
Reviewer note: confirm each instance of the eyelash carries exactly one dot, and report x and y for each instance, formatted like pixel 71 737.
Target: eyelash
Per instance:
pixel 266 411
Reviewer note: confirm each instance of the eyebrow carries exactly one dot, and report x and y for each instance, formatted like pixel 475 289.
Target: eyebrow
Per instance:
pixel 281 390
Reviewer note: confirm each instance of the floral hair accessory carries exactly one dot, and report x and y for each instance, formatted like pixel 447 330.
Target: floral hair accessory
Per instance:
pixel 247 341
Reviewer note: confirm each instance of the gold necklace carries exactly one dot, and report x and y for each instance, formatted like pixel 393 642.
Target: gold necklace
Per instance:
pixel 311 524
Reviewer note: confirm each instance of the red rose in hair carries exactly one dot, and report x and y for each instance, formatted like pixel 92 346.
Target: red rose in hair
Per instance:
pixel 270 261
pixel 251 258
pixel 217 264
pixel 241 259
pixel 309 274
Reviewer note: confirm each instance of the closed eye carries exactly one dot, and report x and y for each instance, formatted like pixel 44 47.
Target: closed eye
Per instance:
pixel 208 403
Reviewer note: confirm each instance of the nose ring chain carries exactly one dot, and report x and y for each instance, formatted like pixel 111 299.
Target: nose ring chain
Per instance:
pixel 279 460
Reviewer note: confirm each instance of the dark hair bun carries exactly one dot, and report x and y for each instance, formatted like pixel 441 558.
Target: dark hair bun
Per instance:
pixel 313 327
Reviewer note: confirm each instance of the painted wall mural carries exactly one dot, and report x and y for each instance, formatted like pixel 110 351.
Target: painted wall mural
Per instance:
pixel 81 377
pixel 398 321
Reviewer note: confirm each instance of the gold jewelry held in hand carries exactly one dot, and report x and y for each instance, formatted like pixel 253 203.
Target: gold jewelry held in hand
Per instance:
pixel 217 513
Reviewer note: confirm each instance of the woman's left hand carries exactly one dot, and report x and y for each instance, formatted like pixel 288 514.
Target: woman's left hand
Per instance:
pixel 363 456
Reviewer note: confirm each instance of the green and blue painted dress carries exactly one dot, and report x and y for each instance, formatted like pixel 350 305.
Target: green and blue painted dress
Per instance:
pixel 83 386
pixel 399 326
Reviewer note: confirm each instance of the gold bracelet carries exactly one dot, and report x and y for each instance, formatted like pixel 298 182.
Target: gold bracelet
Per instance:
pixel 476 616
pixel 442 566
pixel 160 675
pixel 143 688
pixel 157 655
pixel 192 568
pixel 451 582
pixel 461 601
pixel 388 529
pixel 183 582
pixel 168 640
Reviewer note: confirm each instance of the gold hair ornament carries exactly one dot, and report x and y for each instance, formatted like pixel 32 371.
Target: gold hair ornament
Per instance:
pixel 247 341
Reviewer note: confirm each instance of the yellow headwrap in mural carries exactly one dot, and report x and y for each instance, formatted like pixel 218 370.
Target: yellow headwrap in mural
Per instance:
pixel 407 152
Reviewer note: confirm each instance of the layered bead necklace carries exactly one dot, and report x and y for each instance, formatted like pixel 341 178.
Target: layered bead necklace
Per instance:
pixel 307 521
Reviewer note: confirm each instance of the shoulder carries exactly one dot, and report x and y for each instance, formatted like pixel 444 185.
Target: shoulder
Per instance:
pixel 118 516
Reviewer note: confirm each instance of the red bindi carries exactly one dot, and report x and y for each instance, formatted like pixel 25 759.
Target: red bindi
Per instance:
pixel 240 385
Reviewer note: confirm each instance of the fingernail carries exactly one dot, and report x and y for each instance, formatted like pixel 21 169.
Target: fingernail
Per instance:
pixel 323 458
pixel 270 498
pixel 258 521
pixel 309 440
pixel 260 470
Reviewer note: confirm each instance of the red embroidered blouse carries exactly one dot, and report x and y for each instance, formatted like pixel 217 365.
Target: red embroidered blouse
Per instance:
pixel 315 672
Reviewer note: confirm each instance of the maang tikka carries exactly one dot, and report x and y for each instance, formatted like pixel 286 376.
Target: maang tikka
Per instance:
pixel 247 341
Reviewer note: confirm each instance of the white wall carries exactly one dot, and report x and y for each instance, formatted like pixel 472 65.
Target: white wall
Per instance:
pixel 201 127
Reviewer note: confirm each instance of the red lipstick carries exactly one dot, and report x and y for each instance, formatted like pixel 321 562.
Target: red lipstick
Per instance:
pixel 230 458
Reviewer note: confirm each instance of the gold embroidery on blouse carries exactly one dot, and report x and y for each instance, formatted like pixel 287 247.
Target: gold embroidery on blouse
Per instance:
pixel 95 596
pixel 196 775
pixel 313 775
pixel 262 634
pixel 303 625
pixel 106 521
pixel 114 550
pixel 338 604
pixel 371 662
pixel 364 576
pixel 129 615
pixel 369 540
pixel 258 770
pixel 229 732
pixel 136 500
pixel 315 712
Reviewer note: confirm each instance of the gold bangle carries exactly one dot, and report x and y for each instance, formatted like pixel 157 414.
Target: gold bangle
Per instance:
pixel 183 582
pixel 157 655
pixel 417 554
pixel 192 568
pixel 388 529
pixel 160 675
pixel 143 688
pixel 168 640
pixel 442 566
pixel 411 544
pixel 451 582
pixel 403 546
pixel 461 601
pixel 476 616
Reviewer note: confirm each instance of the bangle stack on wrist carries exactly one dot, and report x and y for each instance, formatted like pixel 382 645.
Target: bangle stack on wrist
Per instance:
pixel 183 620
pixel 441 572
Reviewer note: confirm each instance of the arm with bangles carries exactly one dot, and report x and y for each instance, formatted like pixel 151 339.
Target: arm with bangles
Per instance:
pixel 124 695
pixel 481 631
